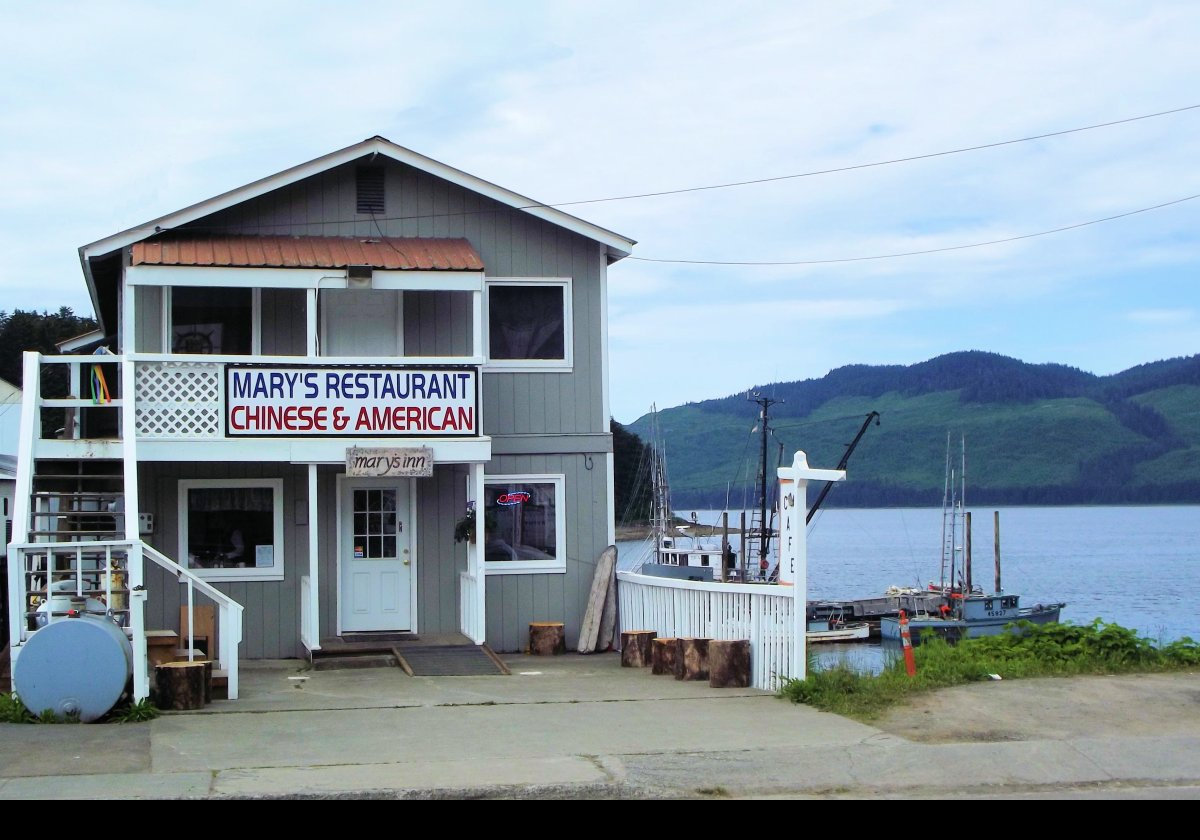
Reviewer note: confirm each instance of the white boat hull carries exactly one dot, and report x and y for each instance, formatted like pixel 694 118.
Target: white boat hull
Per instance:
pixel 850 633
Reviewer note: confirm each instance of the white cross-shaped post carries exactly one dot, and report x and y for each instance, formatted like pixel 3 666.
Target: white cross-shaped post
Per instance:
pixel 793 547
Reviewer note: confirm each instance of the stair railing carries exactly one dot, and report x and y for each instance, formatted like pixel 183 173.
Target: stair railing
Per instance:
pixel 229 615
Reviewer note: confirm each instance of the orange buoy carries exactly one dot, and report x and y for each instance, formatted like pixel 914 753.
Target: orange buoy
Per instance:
pixel 910 664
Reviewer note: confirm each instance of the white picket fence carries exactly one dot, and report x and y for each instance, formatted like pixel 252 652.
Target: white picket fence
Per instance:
pixel 761 613
pixel 470 607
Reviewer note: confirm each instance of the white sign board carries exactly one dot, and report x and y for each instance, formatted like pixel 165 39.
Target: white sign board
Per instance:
pixel 308 401
pixel 414 462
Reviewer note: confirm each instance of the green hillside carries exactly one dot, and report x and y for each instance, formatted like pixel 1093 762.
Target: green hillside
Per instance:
pixel 1037 434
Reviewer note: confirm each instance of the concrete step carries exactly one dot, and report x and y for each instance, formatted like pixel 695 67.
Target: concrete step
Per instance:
pixel 359 660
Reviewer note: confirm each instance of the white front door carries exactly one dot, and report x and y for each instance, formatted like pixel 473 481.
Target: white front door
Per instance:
pixel 362 322
pixel 375 538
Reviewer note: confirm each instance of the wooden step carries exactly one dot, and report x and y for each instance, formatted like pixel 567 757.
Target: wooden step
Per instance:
pixel 162 638
pixel 220 684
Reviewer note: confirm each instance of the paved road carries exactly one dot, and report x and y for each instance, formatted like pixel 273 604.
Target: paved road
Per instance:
pixel 566 727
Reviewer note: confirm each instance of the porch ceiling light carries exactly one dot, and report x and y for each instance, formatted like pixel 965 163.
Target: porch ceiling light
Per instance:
pixel 359 276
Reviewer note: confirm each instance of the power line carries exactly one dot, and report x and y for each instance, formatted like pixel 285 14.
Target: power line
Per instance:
pixel 918 253
pixel 856 166
pixel 726 185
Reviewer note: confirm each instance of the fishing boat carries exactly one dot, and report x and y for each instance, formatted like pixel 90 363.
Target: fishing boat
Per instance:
pixel 679 550
pixel 976 615
pixel 833 627
pixel 966 611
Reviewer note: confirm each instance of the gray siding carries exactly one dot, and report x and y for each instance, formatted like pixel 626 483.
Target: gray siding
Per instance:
pixel 271 621
pixel 511 244
pixel 284 322
pixel 564 408
pixel 148 306
pixel 515 600
pixel 437 324
pixel 441 499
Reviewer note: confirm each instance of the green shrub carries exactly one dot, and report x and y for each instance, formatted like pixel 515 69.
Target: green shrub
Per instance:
pixel 1023 650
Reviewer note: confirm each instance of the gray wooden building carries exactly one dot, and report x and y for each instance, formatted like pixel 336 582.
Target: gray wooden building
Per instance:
pixel 329 372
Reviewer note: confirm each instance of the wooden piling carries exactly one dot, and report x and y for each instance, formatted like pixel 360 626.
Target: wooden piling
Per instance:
pixel 724 544
pixel 996 528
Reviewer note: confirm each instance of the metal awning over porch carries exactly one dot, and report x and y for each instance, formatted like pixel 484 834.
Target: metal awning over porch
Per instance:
pixel 332 252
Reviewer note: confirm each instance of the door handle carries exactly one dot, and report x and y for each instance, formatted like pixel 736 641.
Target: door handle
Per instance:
pixel 406 557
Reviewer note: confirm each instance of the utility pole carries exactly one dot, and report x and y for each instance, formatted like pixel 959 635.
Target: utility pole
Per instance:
pixel 764 404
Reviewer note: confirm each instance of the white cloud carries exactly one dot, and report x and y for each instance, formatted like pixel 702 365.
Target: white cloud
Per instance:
pixel 116 113
pixel 1162 316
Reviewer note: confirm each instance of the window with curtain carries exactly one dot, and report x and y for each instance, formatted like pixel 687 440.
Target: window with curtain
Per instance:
pixel 232 531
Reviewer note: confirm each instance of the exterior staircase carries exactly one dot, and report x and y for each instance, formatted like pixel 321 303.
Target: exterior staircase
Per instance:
pixel 75 544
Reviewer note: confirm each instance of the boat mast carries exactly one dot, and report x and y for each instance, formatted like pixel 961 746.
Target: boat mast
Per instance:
pixel 662 492
pixel 764 404
pixel 947 519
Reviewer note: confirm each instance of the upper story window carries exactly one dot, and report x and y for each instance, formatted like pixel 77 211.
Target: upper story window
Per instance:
pixel 212 321
pixel 529 324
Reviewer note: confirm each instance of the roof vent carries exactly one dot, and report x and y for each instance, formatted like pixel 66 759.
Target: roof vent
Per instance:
pixel 368 184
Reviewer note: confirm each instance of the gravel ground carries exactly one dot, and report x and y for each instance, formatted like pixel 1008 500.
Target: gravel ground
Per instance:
pixel 1054 709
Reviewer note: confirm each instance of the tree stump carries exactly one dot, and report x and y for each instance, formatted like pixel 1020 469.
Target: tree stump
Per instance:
pixel 208 687
pixel 547 638
pixel 663 657
pixel 729 663
pixel 636 648
pixel 691 659
pixel 181 684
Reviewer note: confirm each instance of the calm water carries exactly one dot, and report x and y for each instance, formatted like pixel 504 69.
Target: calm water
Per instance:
pixel 1136 566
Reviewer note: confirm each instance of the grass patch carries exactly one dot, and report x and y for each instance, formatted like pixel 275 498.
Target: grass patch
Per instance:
pixel 1025 650
pixel 12 710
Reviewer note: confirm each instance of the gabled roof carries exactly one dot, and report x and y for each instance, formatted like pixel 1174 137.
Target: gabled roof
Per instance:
pixel 403 254
pixel 618 246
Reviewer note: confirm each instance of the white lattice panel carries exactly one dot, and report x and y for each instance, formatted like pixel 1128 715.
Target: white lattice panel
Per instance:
pixel 180 400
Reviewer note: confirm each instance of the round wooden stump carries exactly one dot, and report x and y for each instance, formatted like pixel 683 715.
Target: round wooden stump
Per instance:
pixel 181 684
pixel 729 663
pixel 663 657
pixel 691 659
pixel 547 638
pixel 636 648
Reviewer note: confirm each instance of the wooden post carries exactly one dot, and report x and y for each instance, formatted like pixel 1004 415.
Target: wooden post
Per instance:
pixel 742 543
pixel 547 638
pixel 724 544
pixel 181 684
pixel 663 657
pixel 967 560
pixel 636 648
pixel 691 659
pixel 729 663
pixel 996 525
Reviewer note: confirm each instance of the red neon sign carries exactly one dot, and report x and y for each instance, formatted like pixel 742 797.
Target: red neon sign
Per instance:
pixel 512 498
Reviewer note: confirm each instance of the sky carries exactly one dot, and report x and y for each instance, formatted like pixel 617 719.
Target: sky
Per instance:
pixel 112 114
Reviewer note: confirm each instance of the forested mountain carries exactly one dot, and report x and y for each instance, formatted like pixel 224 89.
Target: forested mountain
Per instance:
pixel 1035 434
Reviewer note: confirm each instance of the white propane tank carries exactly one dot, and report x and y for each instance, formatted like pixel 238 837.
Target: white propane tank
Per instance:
pixel 74 666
